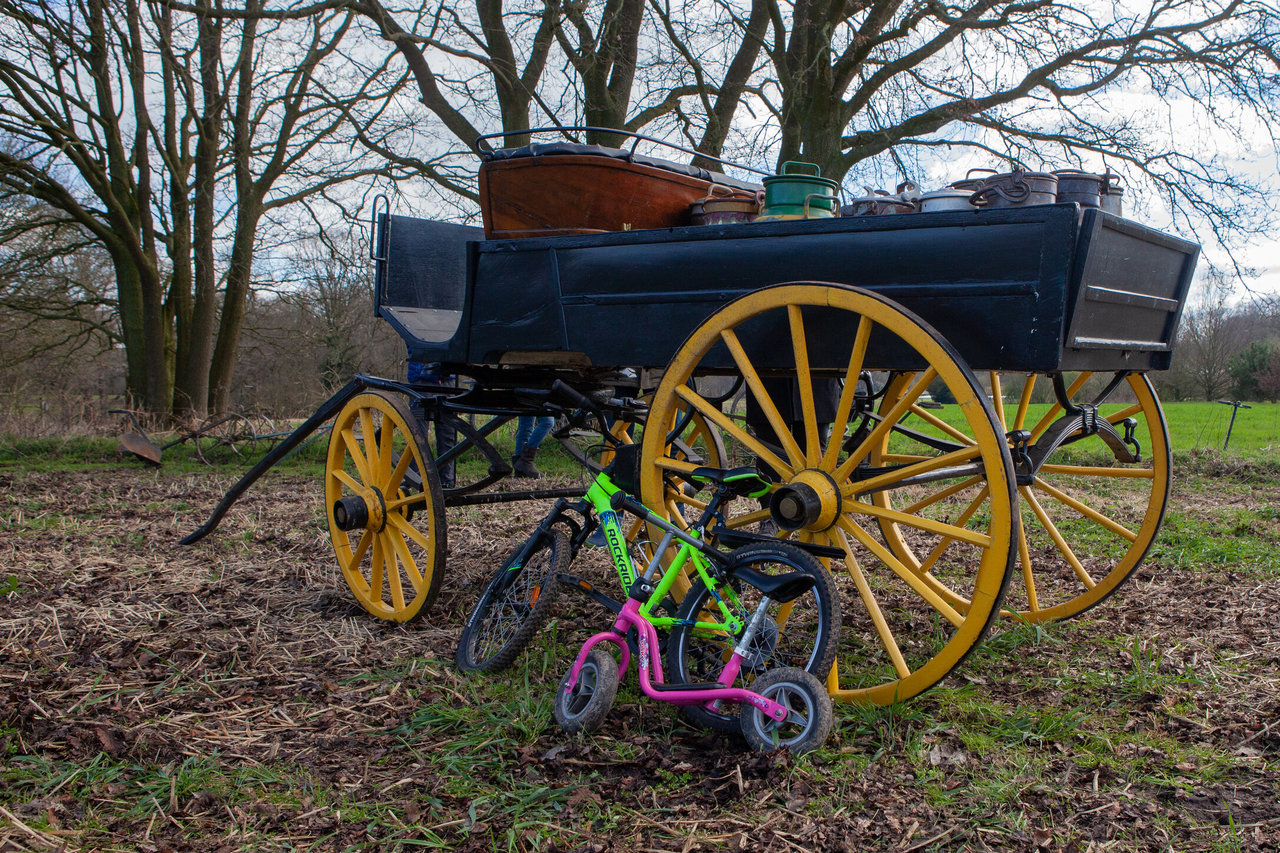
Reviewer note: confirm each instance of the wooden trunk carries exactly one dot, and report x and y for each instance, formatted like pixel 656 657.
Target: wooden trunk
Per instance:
pixel 563 194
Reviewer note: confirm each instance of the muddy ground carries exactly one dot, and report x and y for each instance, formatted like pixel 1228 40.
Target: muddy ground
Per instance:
pixel 232 696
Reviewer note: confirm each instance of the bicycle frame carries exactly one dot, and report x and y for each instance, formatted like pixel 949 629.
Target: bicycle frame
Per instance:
pixel 692 551
pixel 649 667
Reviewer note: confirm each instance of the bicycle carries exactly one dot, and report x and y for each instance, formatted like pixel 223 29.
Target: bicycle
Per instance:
pixel 728 616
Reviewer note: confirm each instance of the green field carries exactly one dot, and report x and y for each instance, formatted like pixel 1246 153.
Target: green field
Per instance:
pixel 1199 427
pixel 1203 426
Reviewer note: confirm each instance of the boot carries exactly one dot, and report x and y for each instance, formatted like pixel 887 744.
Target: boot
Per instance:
pixel 523 463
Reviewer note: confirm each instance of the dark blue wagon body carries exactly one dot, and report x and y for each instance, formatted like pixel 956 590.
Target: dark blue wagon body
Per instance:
pixel 1041 288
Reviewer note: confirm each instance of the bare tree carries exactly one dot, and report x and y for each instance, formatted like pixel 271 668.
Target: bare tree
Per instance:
pixel 116 112
pixel 309 335
pixel 1035 83
pixel 1208 338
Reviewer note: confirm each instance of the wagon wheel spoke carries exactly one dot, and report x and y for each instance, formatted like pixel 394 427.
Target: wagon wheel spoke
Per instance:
pixel 1099 471
pixel 731 429
pixel 374 442
pixel 369 442
pixel 1086 510
pixel 804 381
pixel 1087 519
pixel 765 401
pixel 881 431
pixel 347 480
pixel 377 569
pixel 391 483
pixel 1052 529
pixel 363 471
pixel 940 550
pixel 881 625
pixel 393 574
pixel 848 390
pixel 905 628
pixel 403 554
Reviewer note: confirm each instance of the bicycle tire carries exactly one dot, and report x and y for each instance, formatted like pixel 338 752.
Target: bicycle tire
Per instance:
pixel 583 709
pixel 809 722
pixel 514 606
pixel 695 656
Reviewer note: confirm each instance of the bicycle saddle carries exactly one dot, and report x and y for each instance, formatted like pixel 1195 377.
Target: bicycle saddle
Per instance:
pixel 781 588
pixel 745 482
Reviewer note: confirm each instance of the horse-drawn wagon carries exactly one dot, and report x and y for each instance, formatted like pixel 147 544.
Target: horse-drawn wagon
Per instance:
pixel 814 347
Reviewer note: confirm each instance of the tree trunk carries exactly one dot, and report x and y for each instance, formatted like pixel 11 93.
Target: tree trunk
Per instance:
pixel 195 375
pixel 234 301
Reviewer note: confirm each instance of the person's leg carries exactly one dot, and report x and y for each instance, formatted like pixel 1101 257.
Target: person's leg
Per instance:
pixel 541 428
pixel 524 426
pixel 526 448
pixel 446 440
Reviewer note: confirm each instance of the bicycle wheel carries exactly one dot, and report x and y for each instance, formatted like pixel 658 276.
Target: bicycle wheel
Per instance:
pixel 802 633
pixel 808 722
pixel 583 708
pixel 513 607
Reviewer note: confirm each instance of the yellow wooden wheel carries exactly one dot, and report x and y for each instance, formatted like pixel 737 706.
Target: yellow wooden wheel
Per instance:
pixel 387 532
pixel 1091 511
pixel 904 628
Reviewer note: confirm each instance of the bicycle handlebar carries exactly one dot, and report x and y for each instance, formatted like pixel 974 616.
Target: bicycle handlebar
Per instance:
pixel 621 501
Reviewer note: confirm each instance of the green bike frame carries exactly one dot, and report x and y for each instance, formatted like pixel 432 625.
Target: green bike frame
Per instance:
pixel 690 551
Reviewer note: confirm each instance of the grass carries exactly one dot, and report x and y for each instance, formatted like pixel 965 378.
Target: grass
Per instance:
pixel 1136 726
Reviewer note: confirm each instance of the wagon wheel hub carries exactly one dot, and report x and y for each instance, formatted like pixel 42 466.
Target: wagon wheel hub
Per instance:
pixel 367 510
pixel 809 501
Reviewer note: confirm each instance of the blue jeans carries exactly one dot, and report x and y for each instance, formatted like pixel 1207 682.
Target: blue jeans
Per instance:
pixel 530 431
pixel 446 436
